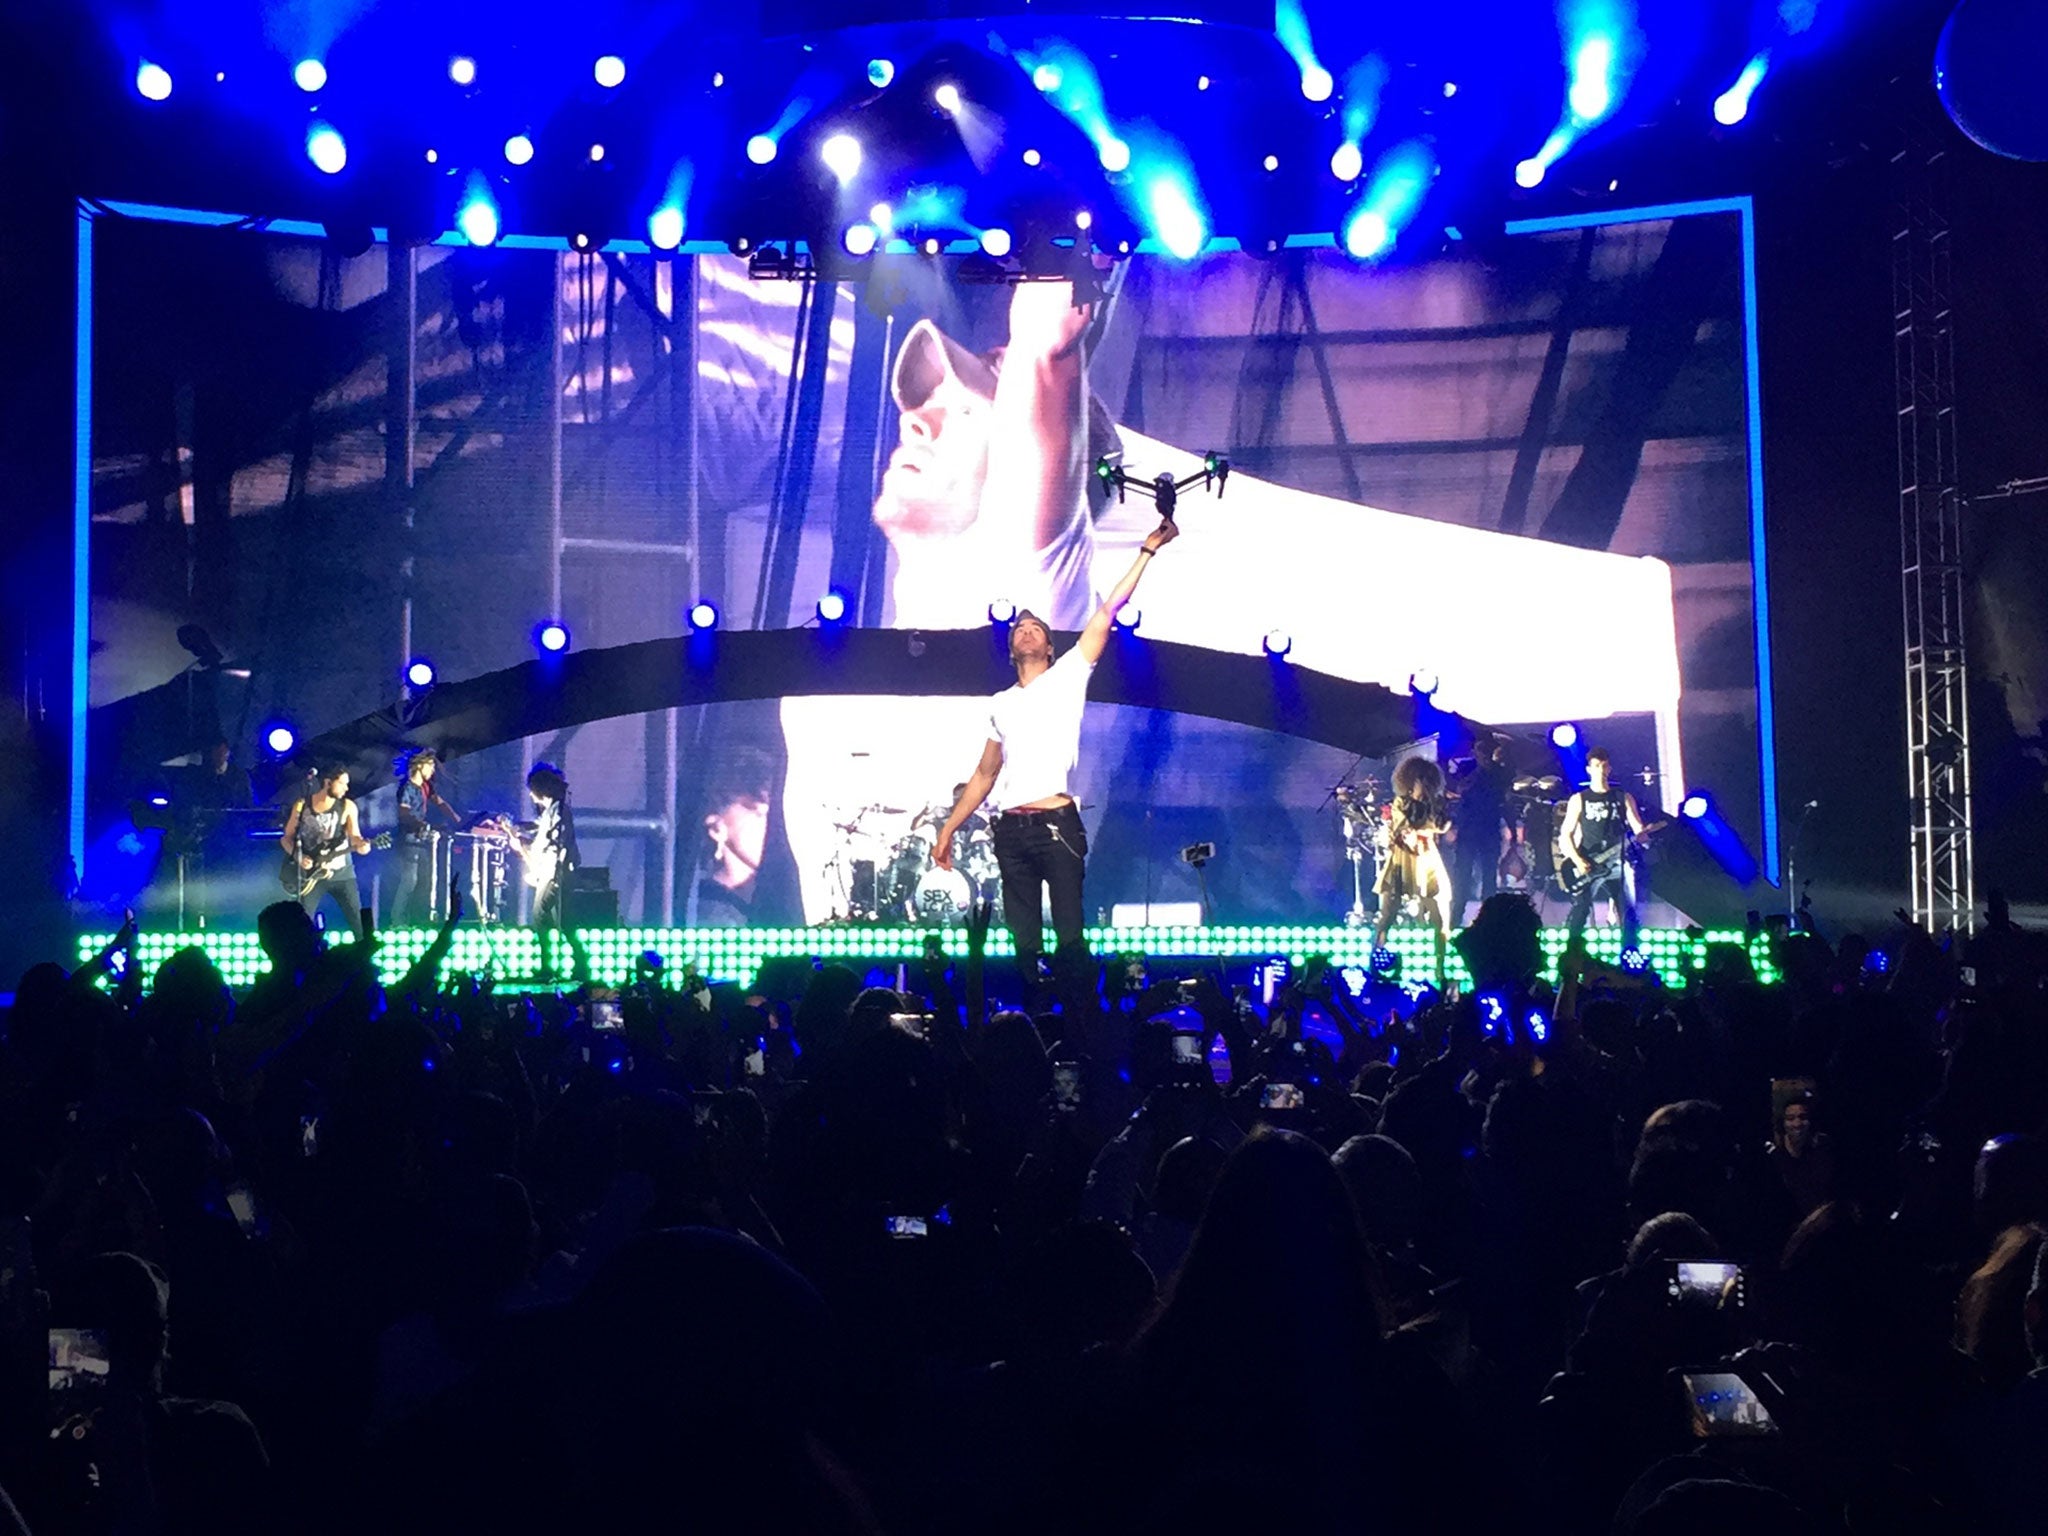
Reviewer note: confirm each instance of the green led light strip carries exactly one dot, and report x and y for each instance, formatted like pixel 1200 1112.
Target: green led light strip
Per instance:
pixel 735 954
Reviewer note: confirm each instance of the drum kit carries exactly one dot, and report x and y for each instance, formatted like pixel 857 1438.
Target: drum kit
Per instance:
pixel 883 872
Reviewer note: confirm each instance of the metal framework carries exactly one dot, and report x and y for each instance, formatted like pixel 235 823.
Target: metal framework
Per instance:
pixel 1930 540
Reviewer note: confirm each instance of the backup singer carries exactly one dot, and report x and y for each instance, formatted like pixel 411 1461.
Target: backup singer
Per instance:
pixel 1027 767
pixel 322 831
pixel 1415 859
pixel 1598 821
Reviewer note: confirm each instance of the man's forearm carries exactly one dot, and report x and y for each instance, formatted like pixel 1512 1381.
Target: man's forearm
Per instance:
pixel 1036 450
pixel 978 787
pixel 1126 584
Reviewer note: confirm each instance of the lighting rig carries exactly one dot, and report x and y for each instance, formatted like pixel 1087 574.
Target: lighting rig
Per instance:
pixel 1212 476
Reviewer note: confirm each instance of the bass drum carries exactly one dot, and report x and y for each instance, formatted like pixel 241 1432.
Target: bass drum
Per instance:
pixel 943 896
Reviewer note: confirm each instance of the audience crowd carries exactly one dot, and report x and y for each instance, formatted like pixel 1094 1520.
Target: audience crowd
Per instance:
pixel 816 1255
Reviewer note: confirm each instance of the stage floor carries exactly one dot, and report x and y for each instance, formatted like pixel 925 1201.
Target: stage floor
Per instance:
pixel 512 955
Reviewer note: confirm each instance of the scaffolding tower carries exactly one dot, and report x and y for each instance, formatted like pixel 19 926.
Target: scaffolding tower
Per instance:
pixel 1930 539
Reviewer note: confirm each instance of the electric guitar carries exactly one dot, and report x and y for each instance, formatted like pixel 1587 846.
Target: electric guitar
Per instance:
pixel 539 862
pixel 1571 880
pixel 328 859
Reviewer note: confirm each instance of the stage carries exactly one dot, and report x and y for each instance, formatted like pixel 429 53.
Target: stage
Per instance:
pixel 734 955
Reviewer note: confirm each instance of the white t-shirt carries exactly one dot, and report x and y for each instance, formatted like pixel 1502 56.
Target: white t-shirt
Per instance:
pixel 1039 726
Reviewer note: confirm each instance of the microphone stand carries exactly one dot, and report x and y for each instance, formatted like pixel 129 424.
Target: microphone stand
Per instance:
pixel 1792 903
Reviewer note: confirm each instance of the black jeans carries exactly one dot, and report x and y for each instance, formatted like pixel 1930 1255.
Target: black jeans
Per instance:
pixel 414 905
pixel 1043 851
pixel 342 888
pixel 1622 886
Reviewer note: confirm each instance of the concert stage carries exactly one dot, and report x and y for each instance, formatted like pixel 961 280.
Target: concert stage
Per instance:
pixel 735 954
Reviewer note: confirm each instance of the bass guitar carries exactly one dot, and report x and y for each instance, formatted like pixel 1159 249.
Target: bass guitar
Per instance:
pixel 1571 879
pixel 328 859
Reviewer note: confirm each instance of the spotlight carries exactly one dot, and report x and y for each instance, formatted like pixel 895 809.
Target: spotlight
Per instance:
pixel 932 245
pixel 596 153
pixel 1529 173
pixel 518 149
pixel 1346 162
pixel 1422 682
pixel 280 738
pixel 1732 105
pixel 309 75
pixel 717 79
pixel 160 800
pixel 610 71
pixel 996 242
pixel 1201 82
pixel 1278 642
pixel 324 147
pixel 883 217
pixel 665 227
pixel 1115 155
pixel 1367 234
pixel 859 239
pixel 1084 220
pixel 1001 611
pixel 1564 735
pixel 1032 157
pixel 947 97
pixel 832 607
pixel 420 672
pixel 841 154
pixel 462 69
pixel 1592 89
pixel 552 637
pixel 1450 89
pixel 1695 807
pixel 1317 83
pixel 1129 618
pixel 703 614
pixel 760 149
pixel 433 157
pixel 478 218
pixel 881 72
pixel 153 81
pixel 1271 162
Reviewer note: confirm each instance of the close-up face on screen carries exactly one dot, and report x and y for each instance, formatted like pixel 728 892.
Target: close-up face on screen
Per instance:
pixel 1513 479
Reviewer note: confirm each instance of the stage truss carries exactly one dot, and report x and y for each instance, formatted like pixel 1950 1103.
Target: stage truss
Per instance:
pixel 735 954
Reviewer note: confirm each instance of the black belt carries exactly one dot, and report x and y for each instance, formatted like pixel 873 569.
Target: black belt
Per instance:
pixel 1027 811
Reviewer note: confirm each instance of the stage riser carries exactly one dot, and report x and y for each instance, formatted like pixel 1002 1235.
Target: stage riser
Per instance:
pixel 735 954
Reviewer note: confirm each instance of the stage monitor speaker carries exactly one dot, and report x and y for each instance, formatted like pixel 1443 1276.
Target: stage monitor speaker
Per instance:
pixel 588 900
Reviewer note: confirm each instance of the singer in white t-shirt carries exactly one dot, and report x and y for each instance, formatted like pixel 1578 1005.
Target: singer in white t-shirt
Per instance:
pixel 1027 769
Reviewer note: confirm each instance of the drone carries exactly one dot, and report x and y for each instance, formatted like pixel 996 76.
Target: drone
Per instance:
pixel 1213 475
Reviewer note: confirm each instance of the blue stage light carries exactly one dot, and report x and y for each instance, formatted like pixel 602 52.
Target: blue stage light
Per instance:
pixel 518 149
pixel 1001 611
pixel 309 75
pixel 1114 154
pixel 280 738
pixel 1317 83
pixel 1732 105
pixel 1278 642
pixel 859 239
pixel 152 81
pixel 1046 77
pixel 1422 682
pixel 1347 161
pixel 1366 234
pixel 665 227
pixel 946 97
pixel 832 607
pixel 478 216
pixel 881 72
pixel 996 242
pixel 1032 157
pixel 1128 617
pixel 462 69
pixel 842 156
pixel 420 672
pixel 1170 205
pixel 610 71
pixel 1695 807
pixel 703 614
pixel 552 637
pixel 159 800
pixel 761 149
pixel 1564 736
pixel 326 148
pixel 1529 173
pixel 1591 96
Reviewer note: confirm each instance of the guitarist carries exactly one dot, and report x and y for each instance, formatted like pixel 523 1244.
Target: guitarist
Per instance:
pixel 549 851
pixel 1598 821
pixel 319 836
